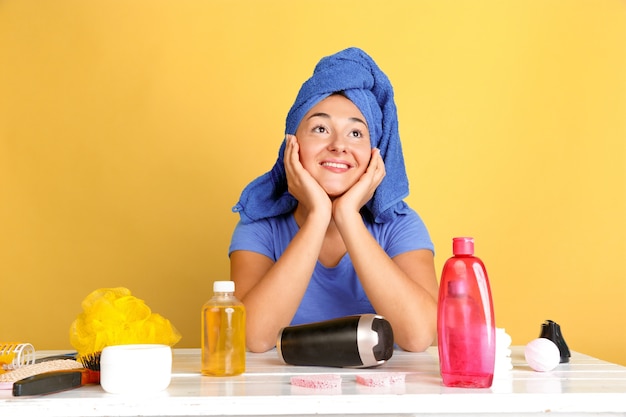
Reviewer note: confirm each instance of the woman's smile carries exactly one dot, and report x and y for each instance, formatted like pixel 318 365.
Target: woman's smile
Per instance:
pixel 336 166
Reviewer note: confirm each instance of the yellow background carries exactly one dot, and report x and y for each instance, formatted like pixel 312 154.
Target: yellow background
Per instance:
pixel 129 128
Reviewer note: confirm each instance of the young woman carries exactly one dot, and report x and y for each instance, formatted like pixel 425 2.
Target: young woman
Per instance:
pixel 326 232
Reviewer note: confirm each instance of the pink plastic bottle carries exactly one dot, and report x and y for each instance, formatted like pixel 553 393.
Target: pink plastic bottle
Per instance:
pixel 465 322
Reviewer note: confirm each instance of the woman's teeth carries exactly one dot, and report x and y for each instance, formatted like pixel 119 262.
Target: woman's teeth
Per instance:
pixel 335 165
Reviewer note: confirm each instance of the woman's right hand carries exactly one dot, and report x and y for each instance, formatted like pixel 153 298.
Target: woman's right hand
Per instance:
pixel 302 185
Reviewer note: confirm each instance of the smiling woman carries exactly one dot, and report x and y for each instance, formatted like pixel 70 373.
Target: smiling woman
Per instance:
pixel 349 244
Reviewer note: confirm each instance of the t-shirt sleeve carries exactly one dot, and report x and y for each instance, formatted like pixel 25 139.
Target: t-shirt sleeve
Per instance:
pixel 255 237
pixel 406 233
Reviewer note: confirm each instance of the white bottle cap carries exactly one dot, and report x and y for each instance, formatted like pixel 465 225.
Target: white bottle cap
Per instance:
pixel 224 286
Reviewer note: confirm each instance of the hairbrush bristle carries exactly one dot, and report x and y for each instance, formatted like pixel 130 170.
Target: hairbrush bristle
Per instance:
pixel 91 361
pixel 40 368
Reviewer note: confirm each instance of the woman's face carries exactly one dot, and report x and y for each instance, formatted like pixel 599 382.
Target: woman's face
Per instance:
pixel 335 145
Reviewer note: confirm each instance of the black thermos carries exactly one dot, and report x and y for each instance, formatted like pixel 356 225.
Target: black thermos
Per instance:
pixel 354 341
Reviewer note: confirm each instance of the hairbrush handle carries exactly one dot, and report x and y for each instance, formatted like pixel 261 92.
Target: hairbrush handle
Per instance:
pixel 55 381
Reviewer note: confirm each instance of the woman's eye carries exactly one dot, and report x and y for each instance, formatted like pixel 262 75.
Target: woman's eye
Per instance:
pixel 356 134
pixel 319 129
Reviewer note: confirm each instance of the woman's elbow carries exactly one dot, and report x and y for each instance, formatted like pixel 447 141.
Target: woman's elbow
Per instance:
pixel 419 343
pixel 257 345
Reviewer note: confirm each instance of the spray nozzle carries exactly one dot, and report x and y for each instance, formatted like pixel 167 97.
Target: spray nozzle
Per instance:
pixel 552 331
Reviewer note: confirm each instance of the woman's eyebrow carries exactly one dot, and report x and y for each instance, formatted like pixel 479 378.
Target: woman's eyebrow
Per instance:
pixel 358 120
pixel 327 116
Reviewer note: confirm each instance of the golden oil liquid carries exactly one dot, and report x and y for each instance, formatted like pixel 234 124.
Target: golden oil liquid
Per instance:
pixel 223 337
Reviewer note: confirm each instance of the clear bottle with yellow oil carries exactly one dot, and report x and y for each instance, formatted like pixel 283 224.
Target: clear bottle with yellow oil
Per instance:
pixel 223 332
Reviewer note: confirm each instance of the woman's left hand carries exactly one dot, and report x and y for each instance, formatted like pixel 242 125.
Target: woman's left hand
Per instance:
pixel 363 190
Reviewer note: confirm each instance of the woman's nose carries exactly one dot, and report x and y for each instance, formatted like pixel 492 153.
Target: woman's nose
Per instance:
pixel 337 143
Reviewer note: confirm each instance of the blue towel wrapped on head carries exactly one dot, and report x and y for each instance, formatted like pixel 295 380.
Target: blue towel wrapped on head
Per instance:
pixel 354 73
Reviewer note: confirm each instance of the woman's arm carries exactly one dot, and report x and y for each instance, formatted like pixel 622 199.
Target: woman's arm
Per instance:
pixel 402 289
pixel 272 291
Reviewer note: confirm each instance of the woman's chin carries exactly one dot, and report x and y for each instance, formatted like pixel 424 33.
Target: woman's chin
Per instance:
pixel 335 194
pixel 336 190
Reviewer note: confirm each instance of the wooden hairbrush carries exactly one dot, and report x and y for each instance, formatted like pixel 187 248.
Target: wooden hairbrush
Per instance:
pixel 54 376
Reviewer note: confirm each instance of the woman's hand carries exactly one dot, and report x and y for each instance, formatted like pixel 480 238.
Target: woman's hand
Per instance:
pixel 361 192
pixel 301 184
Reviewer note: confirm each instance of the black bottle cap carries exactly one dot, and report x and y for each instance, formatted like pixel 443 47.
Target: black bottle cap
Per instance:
pixel 551 330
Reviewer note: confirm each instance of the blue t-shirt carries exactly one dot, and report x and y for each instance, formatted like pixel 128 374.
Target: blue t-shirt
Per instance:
pixel 332 292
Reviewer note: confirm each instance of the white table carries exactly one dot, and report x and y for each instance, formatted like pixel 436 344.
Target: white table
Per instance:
pixel 585 386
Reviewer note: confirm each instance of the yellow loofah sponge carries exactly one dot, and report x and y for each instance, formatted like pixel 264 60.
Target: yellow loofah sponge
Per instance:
pixel 112 316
